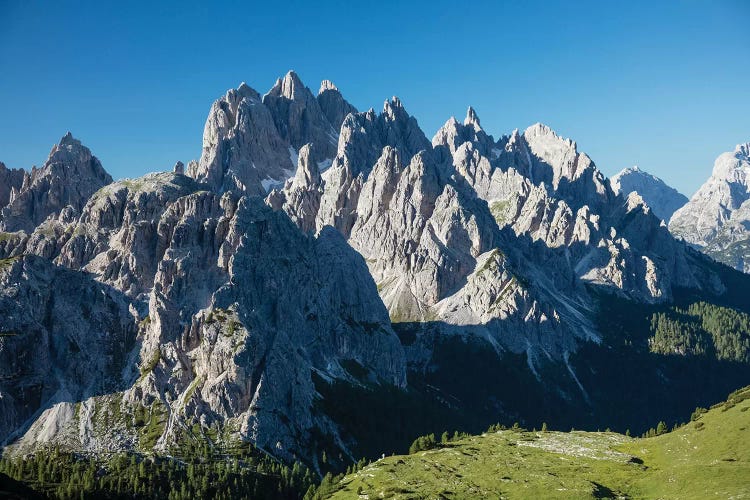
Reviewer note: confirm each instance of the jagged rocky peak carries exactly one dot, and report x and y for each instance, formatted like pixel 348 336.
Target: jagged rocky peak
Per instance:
pixel 545 157
pixel 712 205
pixel 734 166
pixel 298 116
pixel 401 130
pixel 242 147
pixel 327 85
pixel 364 135
pixel 308 173
pixel 454 134
pixel 393 109
pixel 333 104
pixel 663 199
pixel 291 87
pixel 243 91
pixel 11 181
pixel 69 176
pixel 547 145
pixel 472 119
pixel 179 168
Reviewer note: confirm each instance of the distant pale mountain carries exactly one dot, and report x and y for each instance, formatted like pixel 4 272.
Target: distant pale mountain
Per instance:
pixel 663 199
pixel 322 272
pixel 717 217
pixel 67 179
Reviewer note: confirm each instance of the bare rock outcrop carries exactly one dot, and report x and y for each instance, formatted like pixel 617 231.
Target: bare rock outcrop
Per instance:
pixel 68 177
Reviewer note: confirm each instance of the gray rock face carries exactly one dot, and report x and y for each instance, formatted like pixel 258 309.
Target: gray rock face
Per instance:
pixel 299 117
pixel 11 181
pixel 64 338
pixel 333 104
pixel 235 309
pixel 301 195
pixel 116 238
pixel 717 217
pixel 67 178
pixel 664 200
pixel 241 146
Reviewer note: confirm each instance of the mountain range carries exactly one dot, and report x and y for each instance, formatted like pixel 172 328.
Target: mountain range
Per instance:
pixel 320 267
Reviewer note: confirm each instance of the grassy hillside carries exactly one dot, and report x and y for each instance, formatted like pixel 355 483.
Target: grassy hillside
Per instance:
pixel 709 457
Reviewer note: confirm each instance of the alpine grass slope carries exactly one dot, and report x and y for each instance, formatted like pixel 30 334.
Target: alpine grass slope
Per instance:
pixel 704 458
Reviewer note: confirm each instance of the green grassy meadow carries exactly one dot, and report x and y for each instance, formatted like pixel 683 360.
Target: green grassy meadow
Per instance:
pixel 709 457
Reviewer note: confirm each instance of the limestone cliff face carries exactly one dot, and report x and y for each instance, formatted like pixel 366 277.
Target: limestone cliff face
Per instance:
pixel 64 338
pixel 11 181
pixel 214 311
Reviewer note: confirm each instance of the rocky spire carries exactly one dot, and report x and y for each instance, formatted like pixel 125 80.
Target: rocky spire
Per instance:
pixel 453 134
pixel 400 130
pixel 307 173
pixel 245 91
pixel 393 108
pixel 290 87
pixel 241 124
pixel 327 85
pixel 333 104
pixel 11 181
pixel 298 116
pixel 472 119
pixel 68 177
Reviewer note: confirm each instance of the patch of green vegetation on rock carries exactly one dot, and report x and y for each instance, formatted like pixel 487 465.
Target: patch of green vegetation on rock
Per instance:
pixel 498 210
pixel 490 263
pixel 145 322
pixel 151 422
pixel 9 236
pixel 191 389
pixel 133 184
pixel 149 366
pixel 6 263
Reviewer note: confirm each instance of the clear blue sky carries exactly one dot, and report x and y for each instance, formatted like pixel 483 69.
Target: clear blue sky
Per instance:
pixel 659 84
